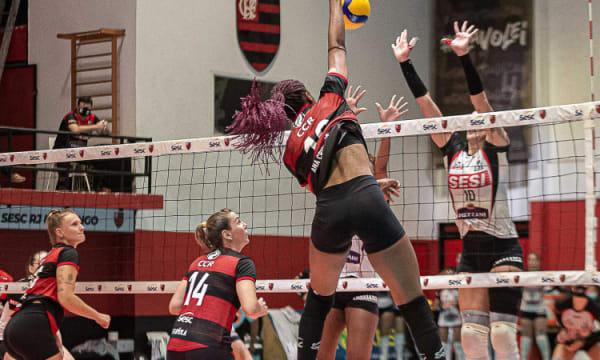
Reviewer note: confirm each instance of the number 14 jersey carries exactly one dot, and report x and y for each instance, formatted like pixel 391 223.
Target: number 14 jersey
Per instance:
pixel 210 301
pixel 477 185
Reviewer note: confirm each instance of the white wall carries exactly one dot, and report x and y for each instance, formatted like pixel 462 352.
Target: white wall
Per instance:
pixel 53 56
pixel 180 48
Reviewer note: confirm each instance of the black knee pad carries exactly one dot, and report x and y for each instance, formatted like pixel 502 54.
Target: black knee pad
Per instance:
pixel 311 324
pixel 505 300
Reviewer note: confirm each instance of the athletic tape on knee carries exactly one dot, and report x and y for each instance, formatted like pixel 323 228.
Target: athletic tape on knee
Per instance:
pixel 476 317
pixel 504 340
pixel 474 339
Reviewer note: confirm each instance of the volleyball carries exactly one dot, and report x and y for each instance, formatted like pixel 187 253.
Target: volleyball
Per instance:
pixel 356 13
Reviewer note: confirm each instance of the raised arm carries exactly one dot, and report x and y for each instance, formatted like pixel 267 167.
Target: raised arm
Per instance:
pixel 393 112
pixel 336 58
pixel 460 46
pixel 428 107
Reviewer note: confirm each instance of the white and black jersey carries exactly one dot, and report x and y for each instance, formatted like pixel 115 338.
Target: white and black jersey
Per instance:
pixel 533 300
pixel 478 187
pixel 357 262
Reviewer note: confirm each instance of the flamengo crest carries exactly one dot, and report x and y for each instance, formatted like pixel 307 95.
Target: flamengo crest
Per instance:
pixel 258 30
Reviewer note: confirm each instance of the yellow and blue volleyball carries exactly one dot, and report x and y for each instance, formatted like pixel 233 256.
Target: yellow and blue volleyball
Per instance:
pixel 356 13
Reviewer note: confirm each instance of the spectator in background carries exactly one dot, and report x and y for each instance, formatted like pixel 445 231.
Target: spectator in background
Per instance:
pixel 80 122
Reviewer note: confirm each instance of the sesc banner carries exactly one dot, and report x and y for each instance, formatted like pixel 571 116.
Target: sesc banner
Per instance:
pixel 32 218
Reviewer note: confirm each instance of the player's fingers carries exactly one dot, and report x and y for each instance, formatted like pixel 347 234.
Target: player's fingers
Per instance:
pixel 392 101
pixel 362 93
pixel 464 26
pixel 470 28
pixel 379 108
pixel 399 102
pixel 456 30
pixel 413 42
pixel 402 113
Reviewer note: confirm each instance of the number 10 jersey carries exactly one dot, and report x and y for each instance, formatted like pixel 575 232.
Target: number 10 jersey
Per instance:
pixel 477 185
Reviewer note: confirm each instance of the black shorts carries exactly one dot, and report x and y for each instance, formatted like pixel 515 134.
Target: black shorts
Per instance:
pixel 28 334
pixel 361 300
pixel 591 340
pixel 482 252
pixel 356 207
pixel 531 315
pixel 199 354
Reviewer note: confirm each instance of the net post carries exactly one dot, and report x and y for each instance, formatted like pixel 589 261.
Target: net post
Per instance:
pixel 591 221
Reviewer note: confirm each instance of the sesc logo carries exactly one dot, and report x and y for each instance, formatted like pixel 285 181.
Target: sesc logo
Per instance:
pixel 503 279
pixel 372 285
pixel 120 287
pixel 214 143
pixel 477 120
pixel 71 154
pixel 89 288
pixel 578 112
pixel 527 115
pixel 106 152
pixel 186 317
pixel 549 278
pixel 35 156
pixel 152 287
pixel 261 286
pixel 177 147
pixel 384 130
pixel 596 278
pixel 139 149
pixel 3 159
pixel 430 125
pixel 297 285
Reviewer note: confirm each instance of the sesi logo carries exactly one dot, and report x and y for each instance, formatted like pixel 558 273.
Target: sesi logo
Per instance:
pixel 469 181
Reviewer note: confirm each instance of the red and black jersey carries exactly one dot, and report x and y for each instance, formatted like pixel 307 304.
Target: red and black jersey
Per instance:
pixel 210 301
pixel 71 141
pixel 4 277
pixel 308 155
pixel 43 284
pixel 579 324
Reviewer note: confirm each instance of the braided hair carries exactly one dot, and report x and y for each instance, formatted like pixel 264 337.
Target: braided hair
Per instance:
pixel 260 125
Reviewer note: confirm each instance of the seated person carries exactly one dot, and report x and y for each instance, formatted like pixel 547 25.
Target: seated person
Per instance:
pixel 79 122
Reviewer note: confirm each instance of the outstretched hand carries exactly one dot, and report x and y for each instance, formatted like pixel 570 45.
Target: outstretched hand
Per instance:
pixel 462 36
pixel 402 47
pixel 389 188
pixel 393 111
pixel 353 98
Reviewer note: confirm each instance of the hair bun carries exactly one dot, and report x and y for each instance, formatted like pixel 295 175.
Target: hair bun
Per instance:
pixel 203 225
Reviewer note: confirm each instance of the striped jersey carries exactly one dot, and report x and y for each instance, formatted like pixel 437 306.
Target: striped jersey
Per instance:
pixel 210 301
pixel 477 185
pixel 43 284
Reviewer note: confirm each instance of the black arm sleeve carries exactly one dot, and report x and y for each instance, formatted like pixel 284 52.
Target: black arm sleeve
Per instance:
pixel 245 268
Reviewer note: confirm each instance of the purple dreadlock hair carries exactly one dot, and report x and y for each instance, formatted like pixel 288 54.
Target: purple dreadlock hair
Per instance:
pixel 260 125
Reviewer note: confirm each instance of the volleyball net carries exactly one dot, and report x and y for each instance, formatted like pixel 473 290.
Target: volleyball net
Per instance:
pixel 142 242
